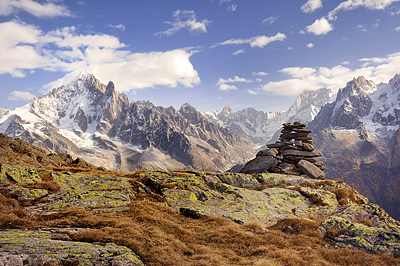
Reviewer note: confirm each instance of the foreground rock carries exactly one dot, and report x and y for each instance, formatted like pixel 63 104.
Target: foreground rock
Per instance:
pixel 242 198
pixel 18 247
pixel 268 198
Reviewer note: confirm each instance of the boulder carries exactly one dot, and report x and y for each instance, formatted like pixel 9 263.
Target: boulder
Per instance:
pixel 259 165
pixel 311 170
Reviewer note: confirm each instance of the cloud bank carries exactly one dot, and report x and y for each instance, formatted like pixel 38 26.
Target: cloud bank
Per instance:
pixel 300 79
pixel 67 51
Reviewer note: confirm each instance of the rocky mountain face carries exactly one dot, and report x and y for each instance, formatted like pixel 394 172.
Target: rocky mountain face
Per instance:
pixel 262 128
pixel 97 123
pixel 359 135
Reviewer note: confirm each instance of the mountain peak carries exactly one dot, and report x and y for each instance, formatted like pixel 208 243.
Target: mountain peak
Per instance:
pixel 361 84
pixel 226 111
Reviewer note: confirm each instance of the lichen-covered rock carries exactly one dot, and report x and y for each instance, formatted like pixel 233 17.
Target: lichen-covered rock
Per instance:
pixel 365 226
pixel 323 197
pixel 214 195
pixel 30 247
pixel 25 194
pixel 99 193
pixel 239 180
pixel 278 179
pixel 21 175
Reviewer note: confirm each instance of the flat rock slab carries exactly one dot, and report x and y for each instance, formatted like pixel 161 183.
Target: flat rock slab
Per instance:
pixel 94 192
pixel 311 170
pixel 98 193
pixel 259 165
pixel 31 247
pixel 301 153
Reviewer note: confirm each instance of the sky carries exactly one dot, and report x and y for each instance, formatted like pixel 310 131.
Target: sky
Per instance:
pixel 208 53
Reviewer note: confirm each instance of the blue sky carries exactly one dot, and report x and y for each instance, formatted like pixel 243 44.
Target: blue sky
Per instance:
pixel 209 53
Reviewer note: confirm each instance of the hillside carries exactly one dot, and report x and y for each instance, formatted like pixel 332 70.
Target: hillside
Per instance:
pixel 56 212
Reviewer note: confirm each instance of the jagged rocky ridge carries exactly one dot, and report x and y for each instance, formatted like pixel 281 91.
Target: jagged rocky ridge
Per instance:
pixel 263 127
pixel 95 122
pixel 358 134
pixel 346 218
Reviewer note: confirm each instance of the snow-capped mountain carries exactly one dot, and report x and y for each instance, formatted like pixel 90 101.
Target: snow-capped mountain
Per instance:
pixel 262 128
pixel 97 123
pixel 359 135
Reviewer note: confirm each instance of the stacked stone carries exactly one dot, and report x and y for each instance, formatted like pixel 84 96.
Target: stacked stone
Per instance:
pixel 293 154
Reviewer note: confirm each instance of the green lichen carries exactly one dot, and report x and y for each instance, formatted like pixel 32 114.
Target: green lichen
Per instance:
pixel 323 197
pixel 87 191
pixel 21 175
pixel 25 194
pixel 40 246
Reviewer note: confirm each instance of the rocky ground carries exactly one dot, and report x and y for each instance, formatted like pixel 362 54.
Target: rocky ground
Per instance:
pixel 35 203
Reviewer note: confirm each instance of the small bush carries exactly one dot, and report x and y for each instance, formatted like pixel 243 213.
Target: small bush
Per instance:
pixel 332 233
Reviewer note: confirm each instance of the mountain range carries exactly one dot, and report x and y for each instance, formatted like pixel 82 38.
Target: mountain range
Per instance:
pixel 93 121
pixel 357 131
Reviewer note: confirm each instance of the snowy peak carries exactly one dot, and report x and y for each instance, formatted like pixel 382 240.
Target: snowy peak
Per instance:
pixel 386 107
pixel 308 104
pixel 361 84
pixel 353 102
pixel 226 111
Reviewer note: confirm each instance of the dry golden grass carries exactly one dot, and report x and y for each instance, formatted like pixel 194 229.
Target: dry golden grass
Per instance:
pixel 160 236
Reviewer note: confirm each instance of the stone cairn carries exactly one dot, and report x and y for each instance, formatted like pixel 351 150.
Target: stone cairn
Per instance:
pixel 293 154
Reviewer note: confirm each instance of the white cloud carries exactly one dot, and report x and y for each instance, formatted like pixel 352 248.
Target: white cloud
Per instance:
pixel 310 45
pixel 258 41
pixel 298 72
pixel 141 70
pixel 260 73
pixel 241 51
pixel 226 87
pixel 397 28
pixel 105 56
pixel 48 9
pixel 185 19
pixel 18 51
pixel 319 27
pixel 311 6
pixel 232 8
pixel 270 20
pixel 353 4
pixel 300 79
pixel 222 83
pixel 290 48
pixel 118 27
pixel 262 41
pixel 20 96
pixel 362 28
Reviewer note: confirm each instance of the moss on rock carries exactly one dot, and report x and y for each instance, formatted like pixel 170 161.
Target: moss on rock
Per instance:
pixel 25 194
pixel 21 175
pixel 40 247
